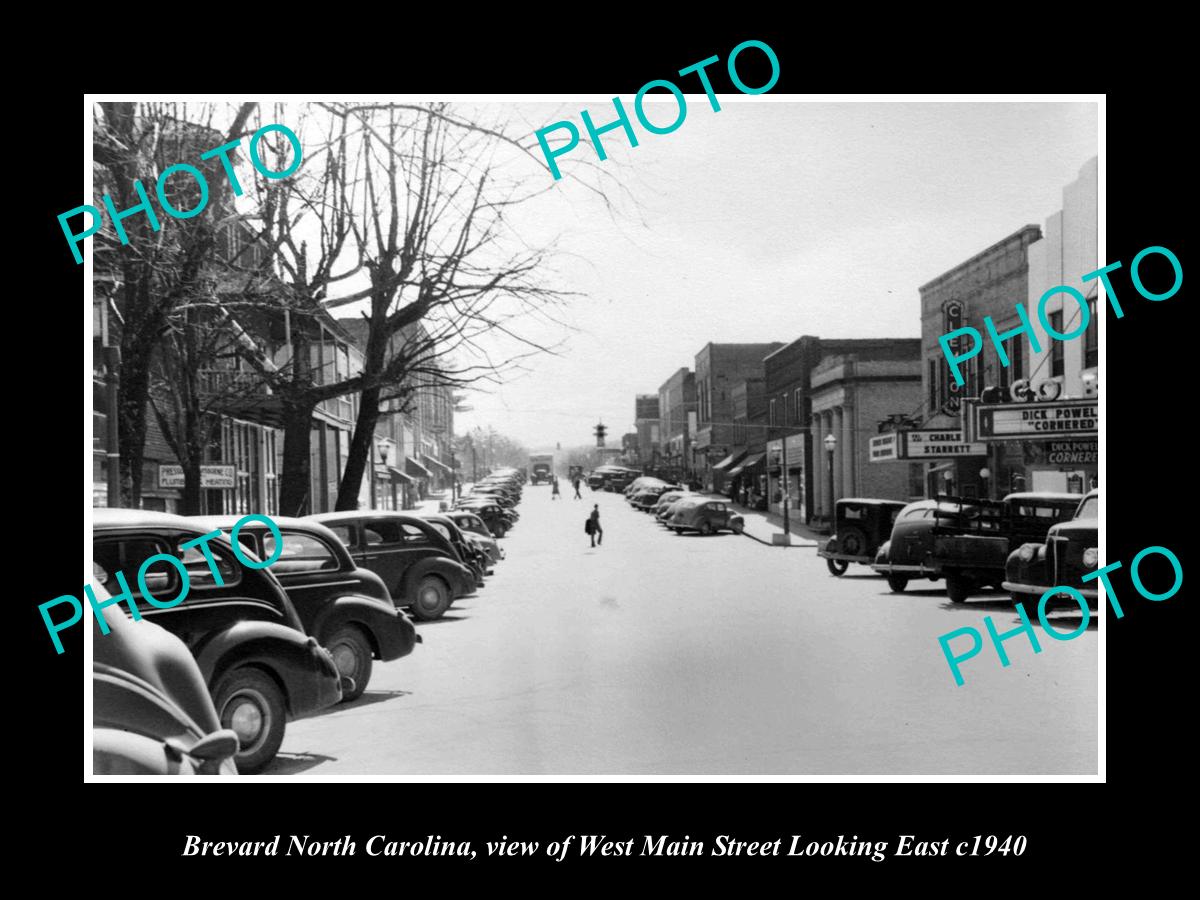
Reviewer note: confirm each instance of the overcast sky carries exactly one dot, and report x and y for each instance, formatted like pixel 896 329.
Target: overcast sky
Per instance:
pixel 765 221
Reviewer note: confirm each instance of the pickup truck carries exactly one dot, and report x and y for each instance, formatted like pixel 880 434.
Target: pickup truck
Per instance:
pixel 971 545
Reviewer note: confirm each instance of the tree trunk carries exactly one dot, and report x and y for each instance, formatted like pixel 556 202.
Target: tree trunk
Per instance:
pixel 133 395
pixel 295 480
pixel 360 450
pixel 190 504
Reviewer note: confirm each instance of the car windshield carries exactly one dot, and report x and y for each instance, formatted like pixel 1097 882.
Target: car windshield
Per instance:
pixel 1089 509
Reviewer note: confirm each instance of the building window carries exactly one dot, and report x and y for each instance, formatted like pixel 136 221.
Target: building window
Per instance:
pixel 771 413
pixel 1091 339
pixel 931 386
pixel 1057 367
pixel 1016 359
pixel 797 407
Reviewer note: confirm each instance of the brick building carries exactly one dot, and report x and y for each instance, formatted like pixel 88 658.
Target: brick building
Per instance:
pixel 676 400
pixel 851 395
pixel 992 283
pixel 646 424
pixel 790 449
pixel 719 367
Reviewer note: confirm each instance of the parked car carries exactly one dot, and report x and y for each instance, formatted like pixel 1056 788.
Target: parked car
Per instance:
pixel 905 555
pixel 151 710
pixel 971 549
pixel 473 526
pixel 260 666
pixel 419 566
pixel 705 516
pixel 860 525
pixel 489 513
pixel 662 509
pixel 347 608
pixel 468 553
pixel 1069 552
pixel 646 499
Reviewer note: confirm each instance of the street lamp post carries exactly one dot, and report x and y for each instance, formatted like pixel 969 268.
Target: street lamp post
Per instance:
pixel 383 455
pixel 984 475
pixel 830 444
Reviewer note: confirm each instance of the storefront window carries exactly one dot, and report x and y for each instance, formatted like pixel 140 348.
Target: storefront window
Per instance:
pixel 1091 339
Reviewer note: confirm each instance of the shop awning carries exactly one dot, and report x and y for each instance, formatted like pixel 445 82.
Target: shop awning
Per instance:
pixel 415 469
pixel 729 460
pixel 748 463
pixel 393 474
pixel 437 464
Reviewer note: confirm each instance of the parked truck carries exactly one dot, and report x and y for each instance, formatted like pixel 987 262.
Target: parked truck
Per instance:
pixel 541 468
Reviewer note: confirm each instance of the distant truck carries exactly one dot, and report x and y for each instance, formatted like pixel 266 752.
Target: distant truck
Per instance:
pixel 541 468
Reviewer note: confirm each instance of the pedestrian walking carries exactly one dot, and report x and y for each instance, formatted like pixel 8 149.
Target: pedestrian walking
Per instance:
pixel 577 483
pixel 595 532
pixel 554 488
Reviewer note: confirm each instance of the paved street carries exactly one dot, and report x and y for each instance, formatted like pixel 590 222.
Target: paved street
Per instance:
pixel 659 654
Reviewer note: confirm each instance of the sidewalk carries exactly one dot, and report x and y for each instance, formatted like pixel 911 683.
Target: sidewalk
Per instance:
pixel 760 526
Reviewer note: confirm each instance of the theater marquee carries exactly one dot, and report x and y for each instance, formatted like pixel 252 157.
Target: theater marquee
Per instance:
pixel 1034 421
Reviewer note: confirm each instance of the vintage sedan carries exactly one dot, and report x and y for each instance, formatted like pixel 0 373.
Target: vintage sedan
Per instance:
pixel 474 528
pixel 347 608
pixel 860 527
pixel 905 555
pixel 666 500
pixel 705 516
pixel 151 710
pixel 646 498
pixel 260 666
pixel 468 552
pixel 419 566
pixel 488 512
pixel 1068 553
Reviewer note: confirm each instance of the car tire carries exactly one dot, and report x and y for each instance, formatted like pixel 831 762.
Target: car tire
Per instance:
pixel 837 567
pixel 737 527
pixel 897 583
pixel 958 588
pixel 852 540
pixel 351 653
pixel 431 599
pixel 249 702
pixel 705 528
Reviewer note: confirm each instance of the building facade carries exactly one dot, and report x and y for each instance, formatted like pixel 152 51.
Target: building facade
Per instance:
pixel 677 410
pixel 719 367
pixel 1047 436
pixel 851 395
pixel 646 424
pixel 991 283
pixel 792 454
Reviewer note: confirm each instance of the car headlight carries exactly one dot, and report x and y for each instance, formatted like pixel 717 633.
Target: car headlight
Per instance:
pixel 1025 554
pixel 1090 557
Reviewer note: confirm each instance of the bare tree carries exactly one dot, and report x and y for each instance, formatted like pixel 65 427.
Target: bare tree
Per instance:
pixel 154 272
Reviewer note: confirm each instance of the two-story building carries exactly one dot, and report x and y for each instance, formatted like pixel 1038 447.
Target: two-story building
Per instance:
pixel 677 411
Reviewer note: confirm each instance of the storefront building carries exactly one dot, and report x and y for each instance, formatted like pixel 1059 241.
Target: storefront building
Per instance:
pixel 850 395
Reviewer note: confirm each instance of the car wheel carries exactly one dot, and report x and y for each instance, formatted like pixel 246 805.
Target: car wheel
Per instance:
pixel 352 654
pixel 897 583
pixel 250 703
pixel 852 540
pixel 705 528
pixel 737 527
pixel 432 599
pixel 958 588
pixel 677 530
pixel 837 567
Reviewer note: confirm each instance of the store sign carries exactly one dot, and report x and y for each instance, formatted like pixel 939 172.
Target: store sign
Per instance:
pixel 1038 420
pixel 1062 453
pixel 885 447
pixel 954 314
pixel 934 443
pixel 210 477
pixel 926 443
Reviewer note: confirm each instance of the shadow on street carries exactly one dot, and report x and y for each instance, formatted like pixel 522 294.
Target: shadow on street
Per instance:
pixel 295 763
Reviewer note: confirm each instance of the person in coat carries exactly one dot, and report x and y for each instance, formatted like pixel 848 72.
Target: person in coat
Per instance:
pixel 595 532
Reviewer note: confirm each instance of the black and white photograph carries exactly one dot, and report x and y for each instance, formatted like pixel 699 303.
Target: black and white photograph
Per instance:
pixel 682 435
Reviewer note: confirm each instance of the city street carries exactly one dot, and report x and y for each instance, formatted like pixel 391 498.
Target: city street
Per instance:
pixel 659 654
